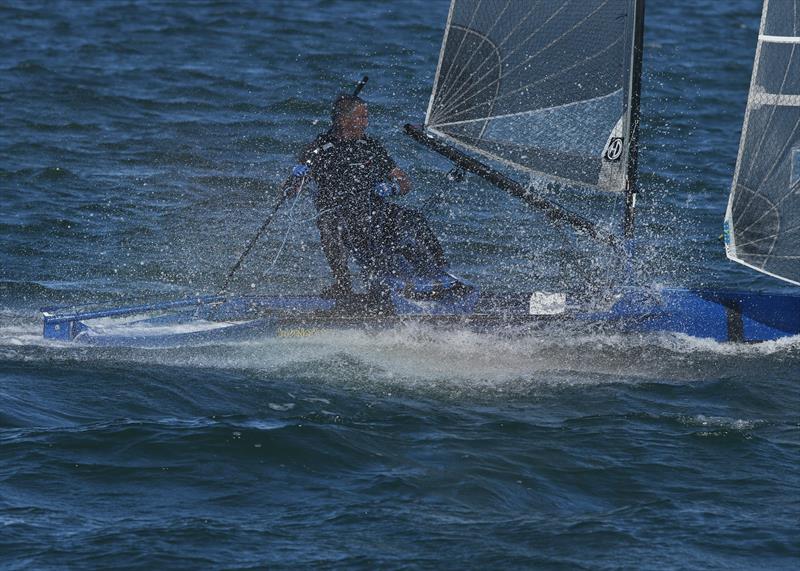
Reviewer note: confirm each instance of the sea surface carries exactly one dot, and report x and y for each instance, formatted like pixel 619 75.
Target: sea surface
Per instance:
pixel 141 146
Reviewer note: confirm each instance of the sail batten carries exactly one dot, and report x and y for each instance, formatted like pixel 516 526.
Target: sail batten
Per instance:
pixel 540 86
pixel 779 39
pixel 763 215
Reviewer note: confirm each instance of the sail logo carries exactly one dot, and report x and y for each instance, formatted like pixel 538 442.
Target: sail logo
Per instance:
pixel 614 149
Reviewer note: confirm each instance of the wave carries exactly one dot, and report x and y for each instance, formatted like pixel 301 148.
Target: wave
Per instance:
pixel 31 67
pixel 716 423
pixel 63 127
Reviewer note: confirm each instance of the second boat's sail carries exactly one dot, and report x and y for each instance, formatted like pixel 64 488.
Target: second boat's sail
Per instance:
pixel 542 86
pixel 762 225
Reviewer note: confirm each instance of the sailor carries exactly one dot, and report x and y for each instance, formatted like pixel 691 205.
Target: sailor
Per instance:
pixel 354 176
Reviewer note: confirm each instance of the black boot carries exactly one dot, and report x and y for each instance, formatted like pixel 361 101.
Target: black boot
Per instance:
pixel 339 289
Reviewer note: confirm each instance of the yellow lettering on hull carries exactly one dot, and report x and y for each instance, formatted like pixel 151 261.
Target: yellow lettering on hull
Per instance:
pixel 297 332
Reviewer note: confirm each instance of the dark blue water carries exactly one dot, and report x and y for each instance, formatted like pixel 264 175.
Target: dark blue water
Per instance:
pixel 140 146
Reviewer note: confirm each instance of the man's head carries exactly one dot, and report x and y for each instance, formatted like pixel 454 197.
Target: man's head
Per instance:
pixel 349 116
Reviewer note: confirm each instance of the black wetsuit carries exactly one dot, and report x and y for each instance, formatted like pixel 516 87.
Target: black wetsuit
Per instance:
pixel 353 219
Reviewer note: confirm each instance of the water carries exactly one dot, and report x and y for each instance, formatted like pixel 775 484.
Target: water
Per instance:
pixel 140 146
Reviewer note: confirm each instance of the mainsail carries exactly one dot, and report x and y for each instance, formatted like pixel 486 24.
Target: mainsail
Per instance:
pixel 762 224
pixel 543 86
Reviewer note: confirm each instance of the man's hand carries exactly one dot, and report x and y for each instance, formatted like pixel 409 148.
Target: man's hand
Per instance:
pixel 294 183
pixel 300 170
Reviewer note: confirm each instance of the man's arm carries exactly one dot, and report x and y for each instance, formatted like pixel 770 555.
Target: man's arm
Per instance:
pixel 402 180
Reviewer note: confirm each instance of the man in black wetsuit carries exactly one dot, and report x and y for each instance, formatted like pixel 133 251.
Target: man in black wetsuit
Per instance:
pixel 354 174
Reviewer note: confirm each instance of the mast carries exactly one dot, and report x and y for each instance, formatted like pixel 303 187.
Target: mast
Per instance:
pixel 632 182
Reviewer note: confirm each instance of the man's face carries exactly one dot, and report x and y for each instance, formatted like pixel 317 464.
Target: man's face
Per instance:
pixel 355 123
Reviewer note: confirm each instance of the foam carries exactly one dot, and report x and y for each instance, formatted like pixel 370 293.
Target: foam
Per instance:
pixel 721 422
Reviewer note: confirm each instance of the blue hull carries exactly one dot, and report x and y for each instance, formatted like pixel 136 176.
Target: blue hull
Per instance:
pixel 719 315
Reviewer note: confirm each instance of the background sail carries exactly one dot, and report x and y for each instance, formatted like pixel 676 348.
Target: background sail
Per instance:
pixel 763 218
pixel 539 85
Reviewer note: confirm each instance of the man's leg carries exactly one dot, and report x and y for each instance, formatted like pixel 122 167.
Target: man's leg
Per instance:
pixel 423 247
pixel 330 235
pixel 366 241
